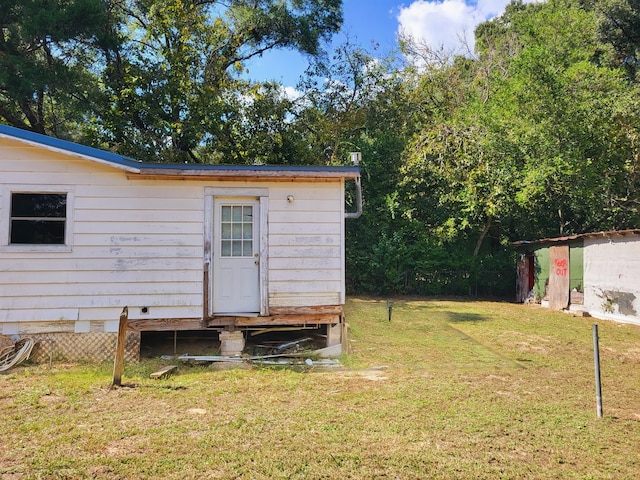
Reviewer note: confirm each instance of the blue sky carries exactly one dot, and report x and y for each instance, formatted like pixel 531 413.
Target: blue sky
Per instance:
pixel 440 24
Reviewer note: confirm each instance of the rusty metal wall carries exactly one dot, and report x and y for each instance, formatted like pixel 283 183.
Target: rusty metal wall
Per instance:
pixel 91 347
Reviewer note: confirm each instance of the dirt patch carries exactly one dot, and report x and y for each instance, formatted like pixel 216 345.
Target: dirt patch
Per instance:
pixel 375 374
pixel 536 344
pixel 52 399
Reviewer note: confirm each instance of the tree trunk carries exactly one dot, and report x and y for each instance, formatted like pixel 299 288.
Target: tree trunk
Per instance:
pixel 483 234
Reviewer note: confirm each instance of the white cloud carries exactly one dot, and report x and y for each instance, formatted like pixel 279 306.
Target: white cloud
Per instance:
pixel 291 93
pixel 446 24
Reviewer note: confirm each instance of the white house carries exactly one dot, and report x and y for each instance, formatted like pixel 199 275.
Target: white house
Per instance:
pixel 84 233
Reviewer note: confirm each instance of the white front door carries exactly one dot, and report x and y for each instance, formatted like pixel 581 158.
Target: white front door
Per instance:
pixel 236 263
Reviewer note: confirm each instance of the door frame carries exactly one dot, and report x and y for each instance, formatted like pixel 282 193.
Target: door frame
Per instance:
pixel 260 194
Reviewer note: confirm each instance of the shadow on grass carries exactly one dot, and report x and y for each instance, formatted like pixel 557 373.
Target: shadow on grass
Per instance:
pixel 454 317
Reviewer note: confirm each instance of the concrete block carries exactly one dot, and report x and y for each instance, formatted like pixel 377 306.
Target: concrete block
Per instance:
pixel 231 344
pixel 334 334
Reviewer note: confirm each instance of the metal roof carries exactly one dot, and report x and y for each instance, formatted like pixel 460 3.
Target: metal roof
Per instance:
pixel 176 170
pixel 607 233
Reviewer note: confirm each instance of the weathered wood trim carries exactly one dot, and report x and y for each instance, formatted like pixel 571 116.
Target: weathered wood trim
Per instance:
pixel 171 324
pixel 208 255
pixel 164 324
pixel 236 191
pixel 221 321
pixel 262 195
pixel 304 310
pixel 287 320
pixel 264 255
pixel 183 173
pixel 343 249
pixel 275 320
pixel 233 177
pixel 205 294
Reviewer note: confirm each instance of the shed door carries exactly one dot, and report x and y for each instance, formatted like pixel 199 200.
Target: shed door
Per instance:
pixel 559 277
pixel 525 281
pixel 236 263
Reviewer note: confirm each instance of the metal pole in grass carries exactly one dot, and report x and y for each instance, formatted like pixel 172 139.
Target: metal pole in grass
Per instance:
pixel 389 309
pixel 596 362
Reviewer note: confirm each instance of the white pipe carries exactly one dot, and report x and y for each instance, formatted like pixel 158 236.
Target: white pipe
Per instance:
pixel 358 211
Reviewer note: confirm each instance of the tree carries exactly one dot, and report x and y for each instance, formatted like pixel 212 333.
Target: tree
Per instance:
pixel 46 52
pixel 175 89
pixel 618 23
pixel 157 79
pixel 535 138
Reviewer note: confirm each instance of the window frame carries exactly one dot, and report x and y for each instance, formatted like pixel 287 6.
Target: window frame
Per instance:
pixel 5 219
pixel 232 239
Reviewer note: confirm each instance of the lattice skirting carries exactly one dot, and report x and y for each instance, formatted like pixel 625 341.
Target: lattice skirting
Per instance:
pixel 92 347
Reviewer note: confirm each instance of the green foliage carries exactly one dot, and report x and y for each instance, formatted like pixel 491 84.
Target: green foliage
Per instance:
pixel 618 24
pixel 174 91
pixel 537 135
pixel 534 137
pixel 46 53
pixel 534 127
pixel 156 80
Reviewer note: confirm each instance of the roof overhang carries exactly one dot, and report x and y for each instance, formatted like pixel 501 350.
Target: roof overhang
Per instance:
pixel 569 238
pixel 70 148
pixel 164 171
pixel 245 172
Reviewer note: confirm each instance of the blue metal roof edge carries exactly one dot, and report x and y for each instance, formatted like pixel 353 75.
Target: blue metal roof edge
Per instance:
pixel 65 145
pixel 130 163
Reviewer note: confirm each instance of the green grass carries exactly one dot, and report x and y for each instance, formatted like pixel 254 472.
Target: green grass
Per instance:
pixel 447 389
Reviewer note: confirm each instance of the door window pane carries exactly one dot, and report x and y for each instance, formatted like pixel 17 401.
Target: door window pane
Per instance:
pixel 226 214
pixel 226 231
pixel 236 231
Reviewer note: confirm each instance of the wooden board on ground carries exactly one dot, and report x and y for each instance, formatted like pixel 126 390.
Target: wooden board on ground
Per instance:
pixel 164 372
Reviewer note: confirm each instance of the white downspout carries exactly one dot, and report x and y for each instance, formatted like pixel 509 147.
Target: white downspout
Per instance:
pixel 355 159
pixel 358 211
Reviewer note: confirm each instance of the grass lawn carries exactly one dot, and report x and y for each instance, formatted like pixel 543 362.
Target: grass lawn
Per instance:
pixel 446 390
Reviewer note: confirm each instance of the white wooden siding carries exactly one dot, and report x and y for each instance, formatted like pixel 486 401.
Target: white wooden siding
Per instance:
pixel 612 265
pixel 134 243
pixel 306 264
pixel 140 243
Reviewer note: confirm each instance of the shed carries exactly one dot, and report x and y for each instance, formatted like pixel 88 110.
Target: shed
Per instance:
pixel 85 232
pixel 592 272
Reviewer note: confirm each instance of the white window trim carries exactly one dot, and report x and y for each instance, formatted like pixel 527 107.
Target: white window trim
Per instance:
pixel 5 216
